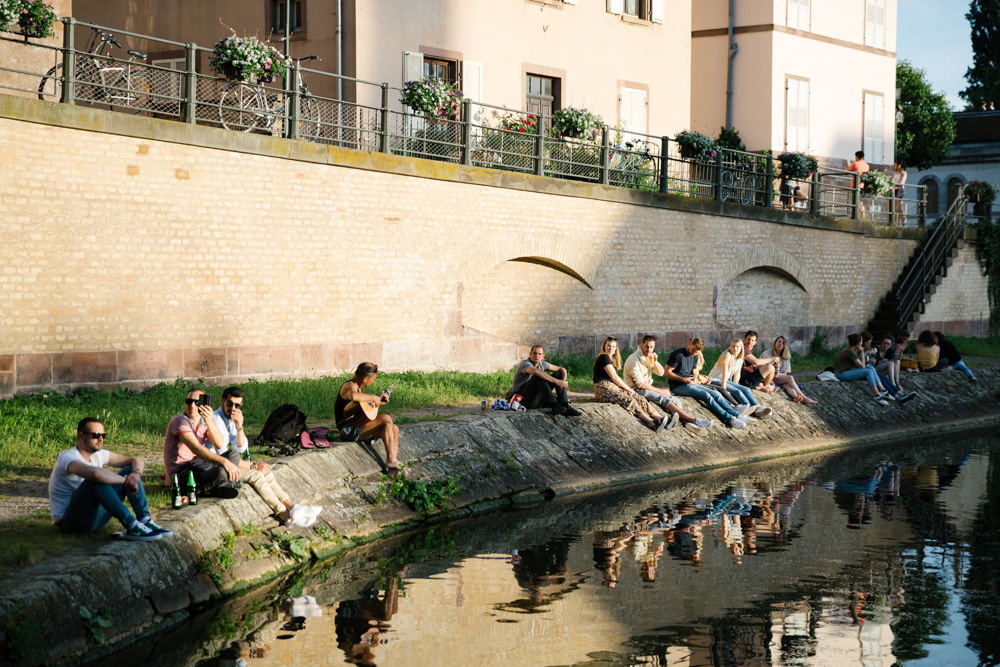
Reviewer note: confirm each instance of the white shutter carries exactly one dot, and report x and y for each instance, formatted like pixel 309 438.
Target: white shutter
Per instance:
pixel 797 115
pixel 472 87
pixel 875 23
pixel 413 66
pixel 625 110
pixel 657 11
pixel 633 110
pixel 874 144
pixel 569 2
pixel 616 6
pixel 798 14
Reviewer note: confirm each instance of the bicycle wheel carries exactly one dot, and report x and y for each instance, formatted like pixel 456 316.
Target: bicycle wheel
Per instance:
pixel 130 90
pixel 308 118
pixel 243 108
pixel 727 185
pixel 50 87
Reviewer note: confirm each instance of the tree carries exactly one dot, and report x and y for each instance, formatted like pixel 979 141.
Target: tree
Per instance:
pixel 984 75
pixel 927 128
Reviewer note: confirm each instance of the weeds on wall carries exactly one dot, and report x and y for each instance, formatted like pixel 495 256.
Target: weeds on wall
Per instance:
pixel 988 254
pixel 419 495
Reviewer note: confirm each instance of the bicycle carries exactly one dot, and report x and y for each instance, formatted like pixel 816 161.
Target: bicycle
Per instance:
pixel 741 182
pixel 246 107
pixel 101 79
pixel 630 166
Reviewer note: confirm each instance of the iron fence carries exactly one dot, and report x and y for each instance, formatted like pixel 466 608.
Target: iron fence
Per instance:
pixel 93 69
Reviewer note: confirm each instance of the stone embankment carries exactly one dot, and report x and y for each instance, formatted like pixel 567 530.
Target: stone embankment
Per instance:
pixel 501 458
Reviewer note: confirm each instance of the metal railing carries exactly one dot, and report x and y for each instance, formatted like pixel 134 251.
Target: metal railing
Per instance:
pixel 926 265
pixel 103 75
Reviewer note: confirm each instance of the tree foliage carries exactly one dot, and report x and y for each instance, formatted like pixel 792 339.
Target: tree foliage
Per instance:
pixel 984 75
pixel 924 135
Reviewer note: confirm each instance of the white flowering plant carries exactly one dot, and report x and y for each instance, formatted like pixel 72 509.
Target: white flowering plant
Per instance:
pixel 9 12
pixel 577 124
pixel 876 183
pixel 696 145
pixel 247 59
pixel 797 165
pixel 432 96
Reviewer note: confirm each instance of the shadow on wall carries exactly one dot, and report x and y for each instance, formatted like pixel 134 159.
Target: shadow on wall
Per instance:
pixel 765 299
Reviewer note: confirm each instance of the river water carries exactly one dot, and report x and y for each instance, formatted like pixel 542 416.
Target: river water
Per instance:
pixel 880 555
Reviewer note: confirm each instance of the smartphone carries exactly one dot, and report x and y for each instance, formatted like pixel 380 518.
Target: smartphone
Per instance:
pixel 205 399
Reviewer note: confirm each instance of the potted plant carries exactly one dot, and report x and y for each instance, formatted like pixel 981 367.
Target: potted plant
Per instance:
pixel 434 97
pixel 9 11
pixel 697 146
pixel 35 18
pixel 876 183
pixel 573 123
pixel 982 194
pixel 247 59
pixel 797 166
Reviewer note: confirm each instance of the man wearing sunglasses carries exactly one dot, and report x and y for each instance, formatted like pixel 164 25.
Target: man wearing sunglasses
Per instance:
pixel 229 420
pixel 83 495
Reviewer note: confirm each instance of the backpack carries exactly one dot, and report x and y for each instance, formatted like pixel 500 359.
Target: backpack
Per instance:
pixel 284 424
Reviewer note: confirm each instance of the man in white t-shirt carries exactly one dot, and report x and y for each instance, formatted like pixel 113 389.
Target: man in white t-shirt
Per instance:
pixel 638 374
pixel 83 495
pixel 229 420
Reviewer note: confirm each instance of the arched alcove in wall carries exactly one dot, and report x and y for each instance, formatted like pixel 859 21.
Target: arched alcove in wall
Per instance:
pixel 765 298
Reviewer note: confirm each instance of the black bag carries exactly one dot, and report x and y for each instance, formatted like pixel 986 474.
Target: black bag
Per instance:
pixel 284 424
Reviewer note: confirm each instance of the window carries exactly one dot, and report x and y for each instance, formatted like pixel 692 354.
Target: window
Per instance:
pixel 875 23
pixel 798 14
pixel 954 183
pixel 541 94
pixel 278 11
pixel 636 8
pixel 646 10
pixel 632 109
pixel 440 69
pixel 796 114
pixel 933 196
pixel 874 146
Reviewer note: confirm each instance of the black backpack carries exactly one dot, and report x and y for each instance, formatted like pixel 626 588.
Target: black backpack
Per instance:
pixel 284 424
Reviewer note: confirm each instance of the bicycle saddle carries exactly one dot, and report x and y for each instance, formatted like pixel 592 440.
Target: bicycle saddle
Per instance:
pixel 138 53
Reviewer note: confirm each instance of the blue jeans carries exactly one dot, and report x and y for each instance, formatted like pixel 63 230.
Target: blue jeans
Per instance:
pixel 93 504
pixel 887 383
pixel 738 390
pixel 960 365
pixel 867 373
pixel 709 398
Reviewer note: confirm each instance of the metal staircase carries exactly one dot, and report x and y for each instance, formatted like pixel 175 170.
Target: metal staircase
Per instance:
pixel 928 265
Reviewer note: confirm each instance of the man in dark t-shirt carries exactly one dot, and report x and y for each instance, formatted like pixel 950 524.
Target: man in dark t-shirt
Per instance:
pixel 679 371
pixel 352 420
pixel 536 380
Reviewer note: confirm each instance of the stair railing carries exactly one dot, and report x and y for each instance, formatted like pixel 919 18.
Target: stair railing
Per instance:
pixel 931 257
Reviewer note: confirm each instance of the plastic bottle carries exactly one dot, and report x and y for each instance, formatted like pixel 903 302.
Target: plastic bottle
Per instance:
pixel 515 402
pixel 192 492
pixel 483 405
pixel 177 502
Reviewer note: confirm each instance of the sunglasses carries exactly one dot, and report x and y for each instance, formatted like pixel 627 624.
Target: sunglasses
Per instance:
pixel 190 401
pixel 96 436
pixel 234 405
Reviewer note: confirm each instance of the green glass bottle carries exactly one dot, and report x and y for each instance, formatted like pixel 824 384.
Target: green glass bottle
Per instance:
pixel 177 501
pixel 192 491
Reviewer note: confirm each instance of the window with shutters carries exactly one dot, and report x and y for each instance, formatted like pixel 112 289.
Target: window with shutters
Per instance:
pixel 798 14
pixel 875 23
pixel 796 114
pixel 632 109
pixel 874 116
pixel 277 15
pixel 542 94
pixel 642 10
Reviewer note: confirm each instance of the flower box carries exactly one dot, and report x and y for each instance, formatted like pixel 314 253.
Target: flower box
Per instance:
pixel 247 59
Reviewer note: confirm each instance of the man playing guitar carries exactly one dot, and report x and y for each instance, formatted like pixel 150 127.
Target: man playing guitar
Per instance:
pixel 357 414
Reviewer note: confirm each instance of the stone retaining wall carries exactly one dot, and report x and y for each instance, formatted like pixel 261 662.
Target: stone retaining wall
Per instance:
pixel 501 458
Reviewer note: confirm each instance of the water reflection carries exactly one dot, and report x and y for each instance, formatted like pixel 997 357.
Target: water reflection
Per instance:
pixel 868 557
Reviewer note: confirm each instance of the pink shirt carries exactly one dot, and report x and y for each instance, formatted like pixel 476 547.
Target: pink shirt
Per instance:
pixel 175 452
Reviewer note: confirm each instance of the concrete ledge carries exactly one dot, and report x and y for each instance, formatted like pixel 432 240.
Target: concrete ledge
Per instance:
pixel 96 120
pixel 502 458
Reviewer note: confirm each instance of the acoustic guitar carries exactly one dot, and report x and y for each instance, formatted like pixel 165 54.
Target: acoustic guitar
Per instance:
pixel 370 408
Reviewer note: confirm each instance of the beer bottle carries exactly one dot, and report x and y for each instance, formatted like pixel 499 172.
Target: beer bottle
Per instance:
pixel 192 492
pixel 177 501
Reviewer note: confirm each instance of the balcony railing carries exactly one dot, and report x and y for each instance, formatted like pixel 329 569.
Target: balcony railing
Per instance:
pixel 482 135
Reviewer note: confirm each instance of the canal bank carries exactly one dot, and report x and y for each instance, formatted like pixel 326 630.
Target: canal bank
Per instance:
pixel 500 458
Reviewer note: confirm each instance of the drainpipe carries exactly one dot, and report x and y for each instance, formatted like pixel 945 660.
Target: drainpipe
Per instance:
pixel 340 50
pixel 729 70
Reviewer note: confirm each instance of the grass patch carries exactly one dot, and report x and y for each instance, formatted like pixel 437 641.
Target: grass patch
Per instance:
pixel 26 540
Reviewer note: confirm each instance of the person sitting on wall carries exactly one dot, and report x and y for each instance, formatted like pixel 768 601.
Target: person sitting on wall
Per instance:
pixel 609 388
pixel 780 351
pixel 638 375
pixel 766 367
pixel 229 420
pixel 355 425
pixel 872 357
pixel 191 445
pixel 83 495
pixel 849 366
pixel 888 363
pixel 723 377
pixel 950 352
pixel 542 385
pixel 679 371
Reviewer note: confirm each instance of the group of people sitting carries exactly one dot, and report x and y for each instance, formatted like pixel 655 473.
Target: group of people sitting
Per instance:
pixel 727 390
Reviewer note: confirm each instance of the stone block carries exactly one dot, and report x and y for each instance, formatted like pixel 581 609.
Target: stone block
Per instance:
pixel 84 367
pixel 574 345
pixel 33 370
pixel 150 365
pixel 269 359
pixel 7 385
pixel 6 363
pixel 205 362
pixel 318 358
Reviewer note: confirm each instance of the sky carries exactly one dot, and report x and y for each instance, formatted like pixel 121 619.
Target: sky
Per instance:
pixel 934 36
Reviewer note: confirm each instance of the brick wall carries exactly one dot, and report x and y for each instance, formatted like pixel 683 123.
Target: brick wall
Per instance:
pixel 959 305
pixel 137 250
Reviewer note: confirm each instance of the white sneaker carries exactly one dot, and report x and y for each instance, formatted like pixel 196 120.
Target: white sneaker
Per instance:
pixel 693 426
pixel 704 423
pixel 889 397
pixel 744 409
pixel 881 401
pixel 736 422
pixel 762 412
pixel 747 419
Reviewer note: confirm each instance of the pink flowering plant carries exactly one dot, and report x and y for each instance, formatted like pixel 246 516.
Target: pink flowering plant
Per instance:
pixel 35 18
pixel 797 165
pixel 981 191
pixel 517 122
pixel 701 148
pixel 247 59
pixel 577 123
pixel 435 97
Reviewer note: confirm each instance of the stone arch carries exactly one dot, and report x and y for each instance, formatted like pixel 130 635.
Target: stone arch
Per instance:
pixel 773 259
pixel 552 264
pixel 579 261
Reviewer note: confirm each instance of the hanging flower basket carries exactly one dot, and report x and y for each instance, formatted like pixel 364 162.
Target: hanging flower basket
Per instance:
pixel 982 192
pixel 247 59
pixel 797 165
pixel 434 97
pixel 573 123
pixel 696 146
pixel 35 18
pixel 10 10
pixel 876 183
